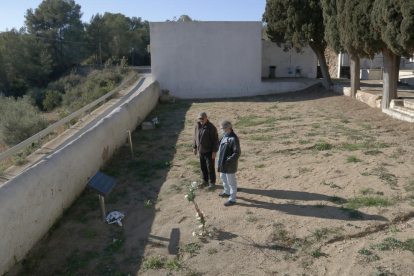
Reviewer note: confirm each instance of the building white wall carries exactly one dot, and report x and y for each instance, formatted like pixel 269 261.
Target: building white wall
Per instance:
pixel 366 63
pixel 272 55
pixel 31 202
pixel 210 59
pixel 195 58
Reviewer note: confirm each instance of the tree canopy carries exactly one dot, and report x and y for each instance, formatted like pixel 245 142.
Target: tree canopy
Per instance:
pixel 56 21
pixel 297 23
pixel 182 18
pixel 55 39
pixel 395 22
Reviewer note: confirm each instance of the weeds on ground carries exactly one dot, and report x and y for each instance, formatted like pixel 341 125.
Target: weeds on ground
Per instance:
pixel 211 251
pixel 193 163
pixel 336 199
pixel 394 229
pixel 372 152
pixel 357 202
pixel 364 251
pixel 251 120
pixel 381 271
pixel 325 232
pixel 261 138
pixel 390 178
pixel 323 146
pixel 252 219
pixel 191 248
pixel 351 147
pixel 154 263
pixel 316 253
pixel 366 191
pixel 331 184
pixel 173 264
pixel 392 243
pixel 303 170
pixel 286 118
pixel 353 159
pixel 410 186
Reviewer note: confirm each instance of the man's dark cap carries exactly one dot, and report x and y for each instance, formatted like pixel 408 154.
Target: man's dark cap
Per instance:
pixel 202 115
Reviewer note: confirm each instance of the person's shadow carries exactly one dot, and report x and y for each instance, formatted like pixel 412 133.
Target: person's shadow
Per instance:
pixel 283 194
pixel 318 210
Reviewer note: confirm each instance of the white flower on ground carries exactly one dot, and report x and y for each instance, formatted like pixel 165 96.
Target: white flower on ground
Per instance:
pixel 201 226
pixel 186 196
pixel 194 233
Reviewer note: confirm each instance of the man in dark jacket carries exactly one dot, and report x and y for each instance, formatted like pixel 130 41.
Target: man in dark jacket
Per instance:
pixel 227 161
pixel 206 144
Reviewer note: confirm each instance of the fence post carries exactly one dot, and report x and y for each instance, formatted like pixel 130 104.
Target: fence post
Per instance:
pixel 130 143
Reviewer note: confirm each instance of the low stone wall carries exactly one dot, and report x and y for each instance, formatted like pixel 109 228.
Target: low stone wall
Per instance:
pixel 31 202
pixel 373 100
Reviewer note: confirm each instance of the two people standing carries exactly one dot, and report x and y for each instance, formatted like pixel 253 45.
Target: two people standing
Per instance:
pixel 227 151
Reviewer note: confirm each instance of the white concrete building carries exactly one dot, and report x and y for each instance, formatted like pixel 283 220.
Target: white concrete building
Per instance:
pixel 287 62
pixel 371 69
pixel 221 59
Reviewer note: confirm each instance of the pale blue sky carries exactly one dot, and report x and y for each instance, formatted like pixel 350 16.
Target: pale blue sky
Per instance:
pixel 12 12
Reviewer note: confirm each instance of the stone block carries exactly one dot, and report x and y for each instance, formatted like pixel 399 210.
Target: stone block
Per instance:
pixel 368 98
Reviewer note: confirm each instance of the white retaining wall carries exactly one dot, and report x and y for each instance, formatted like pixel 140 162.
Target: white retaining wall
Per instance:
pixel 286 62
pixel 31 202
pixel 211 60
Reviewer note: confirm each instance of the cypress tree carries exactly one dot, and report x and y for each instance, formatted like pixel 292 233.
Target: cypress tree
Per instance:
pixel 357 35
pixel 394 20
pixel 298 23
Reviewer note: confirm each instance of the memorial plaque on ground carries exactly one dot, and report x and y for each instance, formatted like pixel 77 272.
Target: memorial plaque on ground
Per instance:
pixel 101 183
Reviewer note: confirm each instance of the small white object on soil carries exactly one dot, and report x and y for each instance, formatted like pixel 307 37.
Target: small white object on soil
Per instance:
pixel 115 216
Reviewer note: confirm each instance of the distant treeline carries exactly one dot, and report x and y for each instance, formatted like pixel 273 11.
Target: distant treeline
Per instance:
pixel 54 39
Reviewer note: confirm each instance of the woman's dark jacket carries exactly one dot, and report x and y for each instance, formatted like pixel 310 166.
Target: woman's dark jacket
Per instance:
pixel 229 153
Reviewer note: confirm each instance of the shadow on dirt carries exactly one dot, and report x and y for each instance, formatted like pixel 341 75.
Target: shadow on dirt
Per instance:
pixel 326 212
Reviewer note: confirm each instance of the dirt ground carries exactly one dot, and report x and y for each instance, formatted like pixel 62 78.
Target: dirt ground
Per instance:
pixel 326 188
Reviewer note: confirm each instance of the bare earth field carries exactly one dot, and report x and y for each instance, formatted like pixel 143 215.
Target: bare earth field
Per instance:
pixel 326 188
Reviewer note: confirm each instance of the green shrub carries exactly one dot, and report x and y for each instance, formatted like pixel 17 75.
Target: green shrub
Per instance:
pixel 154 263
pixel 173 264
pixel 52 100
pixel 20 119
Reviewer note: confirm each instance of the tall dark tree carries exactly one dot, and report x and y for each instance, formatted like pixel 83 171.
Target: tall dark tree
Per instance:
pixel 395 22
pixel 139 41
pixel 348 27
pixel 119 27
pixel 119 36
pixel 97 34
pixel 330 21
pixel 59 22
pixel 297 23
pixel 25 62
